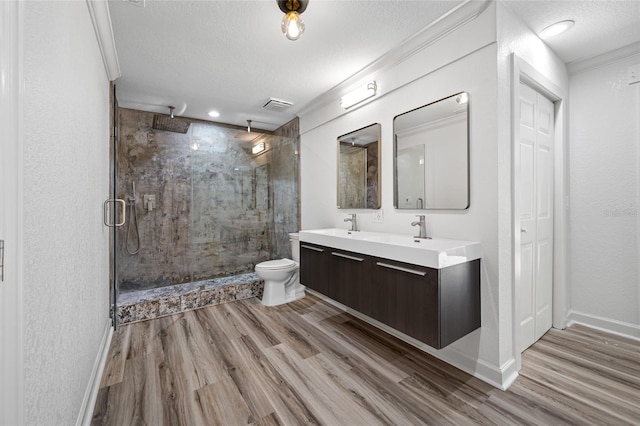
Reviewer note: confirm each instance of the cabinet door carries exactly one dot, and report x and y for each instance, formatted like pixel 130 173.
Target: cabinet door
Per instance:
pixel 314 267
pixel 411 294
pixel 348 273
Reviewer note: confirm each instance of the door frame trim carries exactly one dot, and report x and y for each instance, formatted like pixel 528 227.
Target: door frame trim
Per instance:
pixel 523 72
pixel 11 162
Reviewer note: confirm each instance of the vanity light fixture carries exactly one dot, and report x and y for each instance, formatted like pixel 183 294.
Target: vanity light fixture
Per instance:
pixel 557 28
pixel 214 114
pixel 360 94
pixel 292 24
pixel 257 149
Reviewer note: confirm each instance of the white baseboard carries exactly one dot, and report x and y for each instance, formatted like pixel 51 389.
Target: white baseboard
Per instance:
pixel 91 394
pixel 500 377
pixel 624 329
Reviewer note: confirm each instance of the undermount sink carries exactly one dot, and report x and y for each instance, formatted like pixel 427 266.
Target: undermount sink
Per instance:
pixel 433 253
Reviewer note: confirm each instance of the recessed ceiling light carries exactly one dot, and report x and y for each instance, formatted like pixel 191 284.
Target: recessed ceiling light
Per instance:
pixel 214 114
pixel 557 28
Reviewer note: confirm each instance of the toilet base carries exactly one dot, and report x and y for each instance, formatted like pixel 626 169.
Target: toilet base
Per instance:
pixel 274 294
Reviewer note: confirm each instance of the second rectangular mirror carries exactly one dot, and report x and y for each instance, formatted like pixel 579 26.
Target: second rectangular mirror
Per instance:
pixel 359 169
pixel 431 156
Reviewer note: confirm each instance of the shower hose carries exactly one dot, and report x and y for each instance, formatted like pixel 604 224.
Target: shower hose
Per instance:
pixel 133 217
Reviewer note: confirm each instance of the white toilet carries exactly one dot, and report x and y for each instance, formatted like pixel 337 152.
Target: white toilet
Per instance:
pixel 281 277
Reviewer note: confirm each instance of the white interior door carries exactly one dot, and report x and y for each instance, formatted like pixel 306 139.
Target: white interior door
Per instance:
pixel 534 289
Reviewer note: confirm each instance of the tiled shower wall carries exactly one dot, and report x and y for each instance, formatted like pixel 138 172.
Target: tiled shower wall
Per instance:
pixel 219 209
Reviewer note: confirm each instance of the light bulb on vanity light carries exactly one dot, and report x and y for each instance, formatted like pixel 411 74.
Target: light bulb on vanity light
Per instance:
pixel 257 149
pixel 358 95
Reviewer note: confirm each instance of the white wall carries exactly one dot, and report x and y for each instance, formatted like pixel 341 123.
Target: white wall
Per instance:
pixel 464 60
pixel 605 189
pixel 66 177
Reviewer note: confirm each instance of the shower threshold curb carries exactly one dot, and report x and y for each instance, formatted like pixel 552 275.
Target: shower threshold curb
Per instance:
pixel 156 303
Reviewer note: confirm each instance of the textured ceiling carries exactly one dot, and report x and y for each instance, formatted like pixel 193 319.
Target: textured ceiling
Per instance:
pixel 601 25
pixel 232 57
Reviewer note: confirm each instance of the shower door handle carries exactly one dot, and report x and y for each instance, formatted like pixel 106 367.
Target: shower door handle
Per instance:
pixel 105 212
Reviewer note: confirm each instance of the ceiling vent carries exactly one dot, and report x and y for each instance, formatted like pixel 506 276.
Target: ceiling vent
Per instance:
pixel 276 105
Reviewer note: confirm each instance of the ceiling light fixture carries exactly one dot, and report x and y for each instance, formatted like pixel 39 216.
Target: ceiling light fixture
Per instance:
pixel 292 24
pixel 214 114
pixel 358 95
pixel 557 28
pixel 249 126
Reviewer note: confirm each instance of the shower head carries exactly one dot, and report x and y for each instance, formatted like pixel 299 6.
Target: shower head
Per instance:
pixel 169 123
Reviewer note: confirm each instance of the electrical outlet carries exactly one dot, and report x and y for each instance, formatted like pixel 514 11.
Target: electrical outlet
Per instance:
pixel 377 216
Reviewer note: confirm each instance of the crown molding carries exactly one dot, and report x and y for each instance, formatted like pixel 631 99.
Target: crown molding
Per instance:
pixel 604 59
pixel 101 18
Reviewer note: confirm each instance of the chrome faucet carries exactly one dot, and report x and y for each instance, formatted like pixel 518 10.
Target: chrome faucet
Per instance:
pixel 423 227
pixel 354 223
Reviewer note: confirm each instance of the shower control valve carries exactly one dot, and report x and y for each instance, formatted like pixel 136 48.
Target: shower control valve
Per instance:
pixel 149 202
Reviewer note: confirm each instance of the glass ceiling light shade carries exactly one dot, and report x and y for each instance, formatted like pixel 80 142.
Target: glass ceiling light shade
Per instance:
pixel 292 24
pixel 557 28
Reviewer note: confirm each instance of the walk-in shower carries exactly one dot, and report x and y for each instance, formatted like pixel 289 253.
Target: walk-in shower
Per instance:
pixel 219 209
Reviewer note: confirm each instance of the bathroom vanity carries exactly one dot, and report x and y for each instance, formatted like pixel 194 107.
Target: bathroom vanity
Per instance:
pixel 426 289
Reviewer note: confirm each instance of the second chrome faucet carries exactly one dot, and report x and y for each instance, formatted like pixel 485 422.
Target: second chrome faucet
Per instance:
pixel 423 227
pixel 354 223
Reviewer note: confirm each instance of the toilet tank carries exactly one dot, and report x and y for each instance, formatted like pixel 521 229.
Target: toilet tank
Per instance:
pixel 295 246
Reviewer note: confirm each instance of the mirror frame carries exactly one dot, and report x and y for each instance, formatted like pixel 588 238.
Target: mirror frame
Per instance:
pixel 468 162
pixel 377 201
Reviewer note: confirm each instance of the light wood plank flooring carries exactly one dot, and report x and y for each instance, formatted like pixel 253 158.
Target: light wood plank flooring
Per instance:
pixel 307 362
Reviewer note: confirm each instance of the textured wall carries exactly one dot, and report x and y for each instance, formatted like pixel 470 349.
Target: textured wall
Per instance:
pixel 605 171
pixel 219 208
pixel 66 175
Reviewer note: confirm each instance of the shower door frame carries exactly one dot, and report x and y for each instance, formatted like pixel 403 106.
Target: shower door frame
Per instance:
pixel 113 235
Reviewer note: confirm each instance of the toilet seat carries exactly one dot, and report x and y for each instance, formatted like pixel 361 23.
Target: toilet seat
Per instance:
pixel 274 265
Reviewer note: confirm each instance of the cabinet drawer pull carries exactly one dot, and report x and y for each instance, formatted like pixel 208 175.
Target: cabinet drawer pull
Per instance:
pixel 359 259
pixel 400 268
pixel 312 248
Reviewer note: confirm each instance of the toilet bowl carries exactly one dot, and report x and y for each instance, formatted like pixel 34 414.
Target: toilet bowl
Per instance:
pixel 281 277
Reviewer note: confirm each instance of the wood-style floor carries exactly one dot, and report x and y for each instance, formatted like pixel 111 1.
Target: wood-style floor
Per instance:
pixel 307 362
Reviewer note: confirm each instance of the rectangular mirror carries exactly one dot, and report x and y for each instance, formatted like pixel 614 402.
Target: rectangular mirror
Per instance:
pixel 431 156
pixel 359 169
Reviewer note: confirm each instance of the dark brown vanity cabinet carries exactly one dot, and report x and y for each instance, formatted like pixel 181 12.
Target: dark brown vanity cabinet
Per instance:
pixel 348 277
pixel 410 294
pixel 434 306
pixel 314 267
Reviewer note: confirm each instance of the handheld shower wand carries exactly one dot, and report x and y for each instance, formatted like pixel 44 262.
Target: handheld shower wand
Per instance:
pixel 133 217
